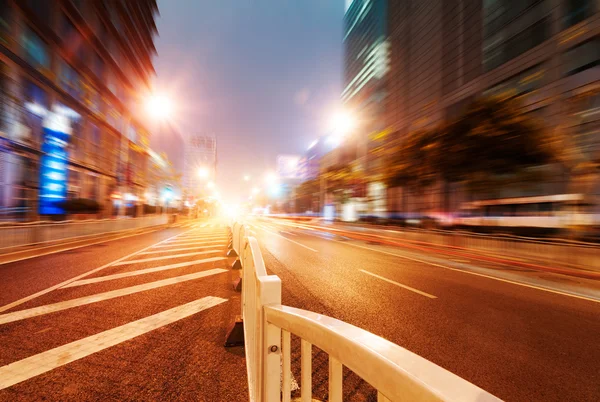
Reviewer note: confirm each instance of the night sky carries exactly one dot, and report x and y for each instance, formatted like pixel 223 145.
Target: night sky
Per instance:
pixel 262 75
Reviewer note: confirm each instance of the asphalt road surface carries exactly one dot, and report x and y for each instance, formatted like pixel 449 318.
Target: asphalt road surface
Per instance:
pixel 520 334
pixel 144 318
pixel 141 318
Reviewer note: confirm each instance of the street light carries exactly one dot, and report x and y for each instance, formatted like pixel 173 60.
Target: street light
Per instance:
pixel 159 106
pixel 342 123
pixel 203 172
pixel 271 178
pixel 246 177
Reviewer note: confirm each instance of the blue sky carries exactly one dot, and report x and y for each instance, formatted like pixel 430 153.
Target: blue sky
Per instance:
pixel 263 75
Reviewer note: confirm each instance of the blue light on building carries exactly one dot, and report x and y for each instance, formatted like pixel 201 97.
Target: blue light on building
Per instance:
pixel 53 170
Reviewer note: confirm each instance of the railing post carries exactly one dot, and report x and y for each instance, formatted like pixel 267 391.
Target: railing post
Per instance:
pixel 286 366
pixel 306 371
pixel 271 359
pixel 335 380
pixel 269 293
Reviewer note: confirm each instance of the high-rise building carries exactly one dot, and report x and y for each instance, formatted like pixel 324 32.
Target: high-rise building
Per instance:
pixel 366 61
pixel 88 62
pixel 200 162
pixel 444 54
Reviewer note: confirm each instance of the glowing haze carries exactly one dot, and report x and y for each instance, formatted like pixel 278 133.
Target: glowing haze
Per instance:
pixel 262 75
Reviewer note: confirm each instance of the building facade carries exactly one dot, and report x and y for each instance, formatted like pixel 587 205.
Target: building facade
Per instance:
pixel 91 62
pixel 366 67
pixel 445 54
pixel 200 163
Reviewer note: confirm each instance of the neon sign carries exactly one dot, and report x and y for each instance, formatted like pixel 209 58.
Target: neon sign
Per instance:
pixel 53 171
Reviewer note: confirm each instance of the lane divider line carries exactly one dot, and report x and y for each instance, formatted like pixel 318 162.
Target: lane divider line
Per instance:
pixel 399 284
pixel 290 240
pixel 166 257
pixel 41 363
pixel 59 285
pixel 186 239
pixel 199 243
pixel 81 301
pixel 478 274
pixel 142 272
pixel 176 249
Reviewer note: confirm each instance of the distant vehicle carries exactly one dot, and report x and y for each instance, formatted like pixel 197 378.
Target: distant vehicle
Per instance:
pixel 551 213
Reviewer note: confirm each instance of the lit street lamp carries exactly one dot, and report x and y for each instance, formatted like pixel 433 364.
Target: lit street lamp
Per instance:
pixel 159 107
pixel 271 178
pixel 203 173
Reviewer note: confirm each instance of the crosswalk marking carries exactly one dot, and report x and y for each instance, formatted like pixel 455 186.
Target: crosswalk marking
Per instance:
pixel 166 257
pixel 184 239
pixel 199 243
pixel 33 366
pixel 142 271
pixel 201 236
pixel 51 308
pixel 176 249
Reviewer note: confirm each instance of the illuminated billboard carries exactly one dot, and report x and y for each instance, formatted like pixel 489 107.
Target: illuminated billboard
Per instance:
pixel 53 164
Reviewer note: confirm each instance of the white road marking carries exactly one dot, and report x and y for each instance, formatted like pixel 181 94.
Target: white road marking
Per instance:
pixel 81 301
pixel 142 272
pixel 205 238
pixel 166 257
pixel 35 365
pixel 399 284
pixel 51 288
pixel 290 240
pixel 197 243
pixel 175 249
pixel 477 274
pixel 104 239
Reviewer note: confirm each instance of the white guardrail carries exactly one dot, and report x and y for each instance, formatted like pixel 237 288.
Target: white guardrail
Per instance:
pixel 396 373
pixel 550 251
pixel 23 234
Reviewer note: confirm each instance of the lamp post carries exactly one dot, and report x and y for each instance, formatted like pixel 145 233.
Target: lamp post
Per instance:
pixel 159 108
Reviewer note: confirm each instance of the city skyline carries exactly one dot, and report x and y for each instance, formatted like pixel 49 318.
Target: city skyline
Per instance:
pixel 281 87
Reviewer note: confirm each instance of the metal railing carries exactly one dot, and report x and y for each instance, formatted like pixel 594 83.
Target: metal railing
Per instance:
pixel 24 234
pixel 396 373
pixel 556 252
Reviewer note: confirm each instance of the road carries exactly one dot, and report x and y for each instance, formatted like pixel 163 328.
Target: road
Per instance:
pixel 520 334
pixel 140 318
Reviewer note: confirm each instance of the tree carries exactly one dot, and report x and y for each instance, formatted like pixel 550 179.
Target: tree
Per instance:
pixel 305 195
pixel 493 137
pixel 492 142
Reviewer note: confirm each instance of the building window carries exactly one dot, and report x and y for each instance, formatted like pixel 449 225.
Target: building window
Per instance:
pixel 582 57
pixel 98 66
pixel 498 51
pixel 500 44
pixel 520 84
pixel 35 99
pixel 70 81
pixel 577 11
pixel 4 21
pixel 4 121
pixel 35 49
pixel 41 8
